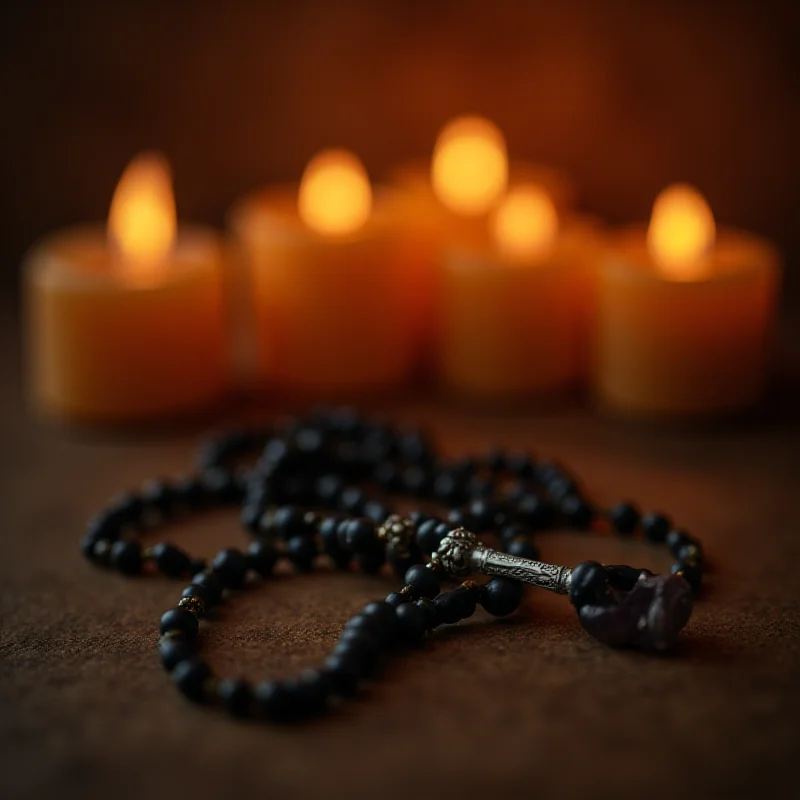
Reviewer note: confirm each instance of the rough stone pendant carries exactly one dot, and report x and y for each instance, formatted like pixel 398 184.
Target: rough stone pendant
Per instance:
pixel 648 616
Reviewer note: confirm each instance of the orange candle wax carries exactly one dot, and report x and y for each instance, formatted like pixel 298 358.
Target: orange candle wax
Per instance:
pixel 126 327
pixel 330 296
pixel 449 203
pixel 685 314
pixel 514 311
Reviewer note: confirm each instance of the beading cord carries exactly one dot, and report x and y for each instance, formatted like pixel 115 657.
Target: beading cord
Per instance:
pixel 320 486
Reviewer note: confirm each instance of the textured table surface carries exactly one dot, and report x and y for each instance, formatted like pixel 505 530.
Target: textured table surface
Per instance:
pixel 528 707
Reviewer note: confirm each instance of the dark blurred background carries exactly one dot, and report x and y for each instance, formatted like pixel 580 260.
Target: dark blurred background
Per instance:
pixel 625 96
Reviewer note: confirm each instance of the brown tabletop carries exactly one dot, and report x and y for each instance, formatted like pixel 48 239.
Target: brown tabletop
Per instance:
pixel 528 707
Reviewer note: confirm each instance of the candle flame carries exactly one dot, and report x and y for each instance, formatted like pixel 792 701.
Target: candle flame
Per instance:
pixel 681 232
pixel 335 196
pixel 526 223
pixel 142 220
pixel 470 165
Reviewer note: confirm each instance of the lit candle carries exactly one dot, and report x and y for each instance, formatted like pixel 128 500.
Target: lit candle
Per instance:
pixel 331 299
pixel 512 321
pixel 126 325
pixel 449 202
pixel 685 314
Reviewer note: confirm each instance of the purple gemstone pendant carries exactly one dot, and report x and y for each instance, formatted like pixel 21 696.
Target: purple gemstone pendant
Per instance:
pixel 649 617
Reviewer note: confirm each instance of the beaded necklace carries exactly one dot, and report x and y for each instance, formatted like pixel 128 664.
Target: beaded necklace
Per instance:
pixel 319 486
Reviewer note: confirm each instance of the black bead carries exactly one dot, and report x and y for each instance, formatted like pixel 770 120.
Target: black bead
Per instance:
pixel 126 509
pixel 535 511
pixel 514 531
pixel 105 525
pixel 501 596
pixel 276 702
pixel 328 490
pixel 236 696
pixel 190 677
pixel 417 516
pixel 173 650
pixel 261 557
pixel 250 516
pixel 343 674
pixel 126 556
pixel 353 501
pixel 588 584
pixel 486 514
pixel 170 560
pixel 387 476
pixel 577 512
pixel 313 687
pixel 158 495
pixel 442 529
pixel 624 517
pixel 179 619
pixel 383 614
pixel 480 488
pixel 290 521
pixel 691 573
pixel 428 537
pixel 189 493
pixel 417 481
pixel 402 558
pixel 562 487
pixel 209 581
pixel 411 623
pixel 301 551
pixel 429 610
pixel 331 546
pixel 376 512
pixel 230 566
pixel 222 487
pixel 87 545
pixel 415 448
pixel 461 518
pixel 422 581
pixel 360 536
pixel 655 527
pixel 203 592
pixel 362 648
pixel 455 605
pixel 684 547
pixel 448 488
pixel 523 549
pixel 396 599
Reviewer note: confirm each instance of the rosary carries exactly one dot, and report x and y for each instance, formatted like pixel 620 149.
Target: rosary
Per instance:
pixel 319 486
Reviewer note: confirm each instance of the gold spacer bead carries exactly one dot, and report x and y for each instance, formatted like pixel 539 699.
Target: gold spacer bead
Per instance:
pixel 405 590
pixel 193 604
pixel 470 584
pixel 435 565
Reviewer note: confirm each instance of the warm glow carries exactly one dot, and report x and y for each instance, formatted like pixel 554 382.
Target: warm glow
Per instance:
pixel 681 232
pixel 142 220
pixel 470 165
pixel 526 224
pixel 335 196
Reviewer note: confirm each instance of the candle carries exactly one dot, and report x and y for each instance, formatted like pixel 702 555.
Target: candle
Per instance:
pixel 126 325
pixel 450 200
pixel 685 314
pixel 513 308
pixel 330 296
